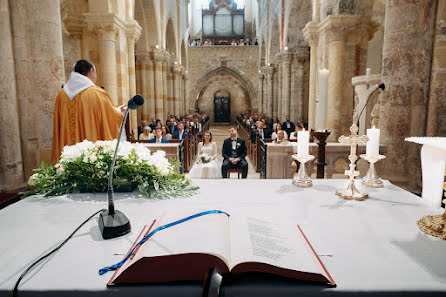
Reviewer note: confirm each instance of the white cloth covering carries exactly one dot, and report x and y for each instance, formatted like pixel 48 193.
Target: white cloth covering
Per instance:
pixel 76 84
pixel 210 170
pixel 371 247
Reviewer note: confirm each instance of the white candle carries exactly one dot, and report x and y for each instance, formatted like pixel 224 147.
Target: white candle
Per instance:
pixel 373 142
pixel 367 75
pixel 322 94
pixel 303 142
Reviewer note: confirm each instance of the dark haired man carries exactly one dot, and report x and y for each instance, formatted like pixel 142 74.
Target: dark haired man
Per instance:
pixel 158 137
pixel 234 153
pixel 84 111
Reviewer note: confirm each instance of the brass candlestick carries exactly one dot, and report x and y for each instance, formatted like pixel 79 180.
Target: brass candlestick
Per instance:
pixel 351 192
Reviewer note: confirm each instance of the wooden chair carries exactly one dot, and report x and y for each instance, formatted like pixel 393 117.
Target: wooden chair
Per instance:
pixel 231 170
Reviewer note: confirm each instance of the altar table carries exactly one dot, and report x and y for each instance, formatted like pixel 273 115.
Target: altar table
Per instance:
pixel 372 246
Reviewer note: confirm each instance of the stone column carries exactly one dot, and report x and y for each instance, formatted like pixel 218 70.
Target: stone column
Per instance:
pixel 406 71
pixel 265 108
pixel 107 58
pixel 171 89
pixel 336 101
pixel 260 94
pixel 312 38
pixel 178 99
pixel 165 90
pixel 436 125
pixel 39 71
pixel 11 164
pixel 275 88
pixel 131 39
pixel 286 85
pixel 145 87
pixel 151 88
pixel 269 92
pixel 279 89
pixel 186 102
pixel 298 97
pixel 159 88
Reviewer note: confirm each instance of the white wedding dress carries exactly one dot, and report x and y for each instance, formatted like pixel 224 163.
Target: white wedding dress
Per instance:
pixel 206 170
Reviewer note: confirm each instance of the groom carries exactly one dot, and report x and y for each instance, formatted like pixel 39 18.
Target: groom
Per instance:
pixel 234 153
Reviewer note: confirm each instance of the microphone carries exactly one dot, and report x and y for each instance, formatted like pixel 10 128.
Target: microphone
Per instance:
pixel 381 86
pixel 114 223
pixel 135 102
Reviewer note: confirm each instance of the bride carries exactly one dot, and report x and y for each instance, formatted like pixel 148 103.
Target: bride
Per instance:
pixel 206 165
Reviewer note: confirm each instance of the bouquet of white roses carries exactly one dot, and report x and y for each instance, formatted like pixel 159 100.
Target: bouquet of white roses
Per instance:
pixel 86 165
pixel 205 158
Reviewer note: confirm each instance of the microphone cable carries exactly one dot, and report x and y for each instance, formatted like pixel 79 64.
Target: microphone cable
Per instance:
pixel 15 291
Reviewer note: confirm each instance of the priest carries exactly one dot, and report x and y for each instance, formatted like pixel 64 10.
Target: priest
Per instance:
pixel 84 111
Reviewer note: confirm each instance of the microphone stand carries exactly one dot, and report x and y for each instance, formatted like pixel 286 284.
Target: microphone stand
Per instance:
pixel 114 223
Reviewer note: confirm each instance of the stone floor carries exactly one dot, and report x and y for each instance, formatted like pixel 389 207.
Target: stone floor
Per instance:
pixel 219 134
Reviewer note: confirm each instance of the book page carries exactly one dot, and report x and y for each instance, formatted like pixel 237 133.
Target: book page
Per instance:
pixel 208 234
pixel 276 243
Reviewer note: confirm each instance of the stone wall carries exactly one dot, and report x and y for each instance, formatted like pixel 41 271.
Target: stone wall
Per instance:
pixel 238 62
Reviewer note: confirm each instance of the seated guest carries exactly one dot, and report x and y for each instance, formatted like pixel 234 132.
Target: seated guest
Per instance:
pixel 293 135
pixel 303 124
pixel 288 125
pixel 281 138
pixel 261 131
pixel 146 135
pixel 141 127
pixel 158 137
pixel 269 122
pixel 180 133
pixel 172 125
pixel 153 125
pixel 278 128
pixel 166 135
pixel 234 153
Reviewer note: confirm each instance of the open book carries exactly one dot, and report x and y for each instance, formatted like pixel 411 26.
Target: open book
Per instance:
pixel 235 244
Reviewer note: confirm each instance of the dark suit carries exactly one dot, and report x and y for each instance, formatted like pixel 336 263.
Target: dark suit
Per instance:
pixel 285 127
pixel 163 140
pixel 266 134
pixel 172 129
pixel 288 130
pixel 239 152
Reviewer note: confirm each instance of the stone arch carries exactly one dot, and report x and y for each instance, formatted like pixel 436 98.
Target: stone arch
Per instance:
pixel 222 70
pixel 140 17
pixel 298 14
pixel 213 81
pixel 170 38
pixel 151 22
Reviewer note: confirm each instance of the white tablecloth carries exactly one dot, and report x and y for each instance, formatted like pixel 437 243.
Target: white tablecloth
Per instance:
pixel 372 246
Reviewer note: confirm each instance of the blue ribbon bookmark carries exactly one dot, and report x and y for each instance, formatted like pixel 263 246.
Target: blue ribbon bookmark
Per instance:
pixel 117 265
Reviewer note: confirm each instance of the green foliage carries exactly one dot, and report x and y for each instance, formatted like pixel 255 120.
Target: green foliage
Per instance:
pixel 90 171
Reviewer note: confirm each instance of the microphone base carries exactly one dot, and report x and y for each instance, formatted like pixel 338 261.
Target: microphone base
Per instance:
pixel 114 225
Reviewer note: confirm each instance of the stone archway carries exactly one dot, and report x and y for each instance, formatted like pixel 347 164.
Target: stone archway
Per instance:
pixel 198 87
pixel 240 91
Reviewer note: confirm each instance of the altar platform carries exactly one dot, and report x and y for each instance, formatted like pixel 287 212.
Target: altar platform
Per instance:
pixel 371 247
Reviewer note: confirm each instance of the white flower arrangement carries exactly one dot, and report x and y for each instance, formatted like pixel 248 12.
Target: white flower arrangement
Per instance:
pixel 86 165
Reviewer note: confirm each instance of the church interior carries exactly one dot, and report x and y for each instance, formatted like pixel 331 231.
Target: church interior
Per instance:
pixel 304 88
pixel 178 56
